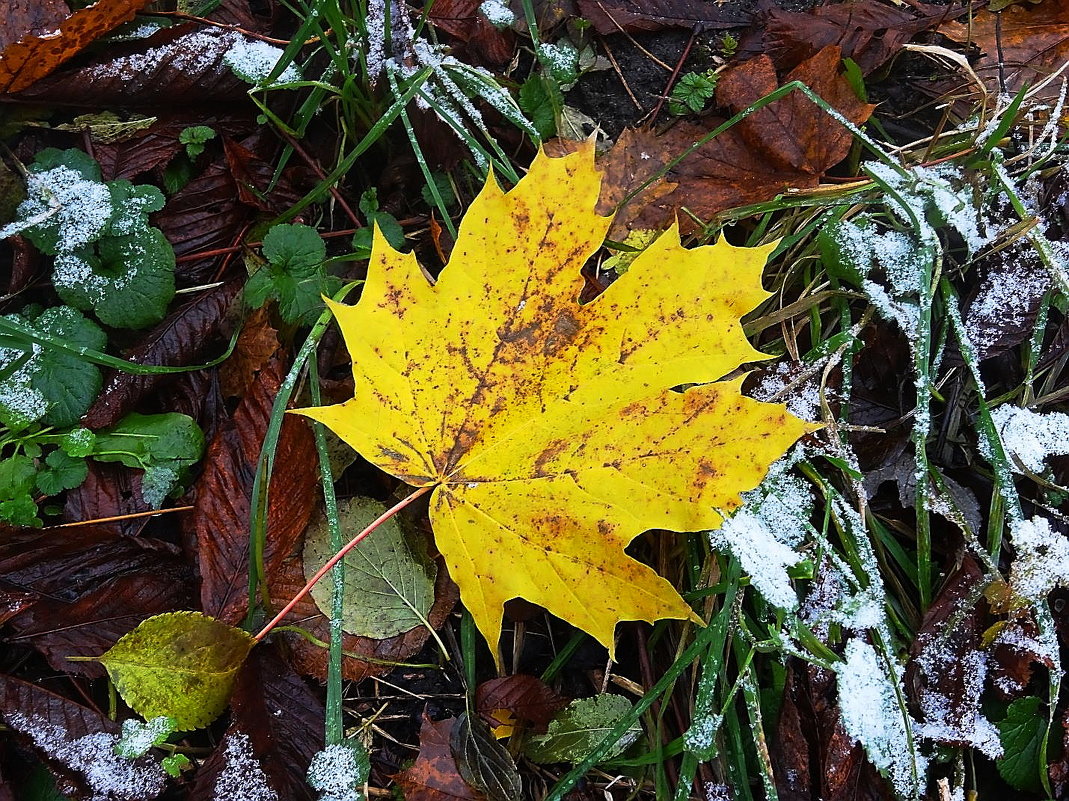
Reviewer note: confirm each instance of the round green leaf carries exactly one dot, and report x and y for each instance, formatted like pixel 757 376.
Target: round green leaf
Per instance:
pixel 180 665
pixel 580 727
pixel 389 579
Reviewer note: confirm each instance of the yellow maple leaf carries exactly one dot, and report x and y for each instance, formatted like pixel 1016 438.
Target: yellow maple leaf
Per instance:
pixel 550 429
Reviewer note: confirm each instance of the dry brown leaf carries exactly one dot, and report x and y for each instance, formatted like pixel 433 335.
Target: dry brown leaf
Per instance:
pixel 34 56
pixel 434 776
pixel 790 143
pixel 1033 40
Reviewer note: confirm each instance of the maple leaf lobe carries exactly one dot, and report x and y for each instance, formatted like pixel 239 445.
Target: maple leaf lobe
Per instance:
pixel 551 428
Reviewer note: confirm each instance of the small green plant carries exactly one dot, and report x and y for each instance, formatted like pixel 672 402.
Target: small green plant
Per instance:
pixel 294 274
pixel 194 138
pixel 387 223
pixel 108 259
pixel 692 93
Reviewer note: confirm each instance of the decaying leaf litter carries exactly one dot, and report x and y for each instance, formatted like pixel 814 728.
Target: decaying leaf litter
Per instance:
pixel 882 612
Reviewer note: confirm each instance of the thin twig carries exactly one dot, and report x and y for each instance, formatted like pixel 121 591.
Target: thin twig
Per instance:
pixel 307 588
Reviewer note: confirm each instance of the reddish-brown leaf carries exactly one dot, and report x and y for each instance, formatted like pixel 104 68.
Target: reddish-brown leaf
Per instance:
pixel 257 341
pixel 461 18
pixel 30 16
pixel 282 719
pixel 616 16
pixel 32 57
pixel 155 146
pixel 221 518
pixel 93 623
pixel 1021 45
pixel 89 587
pixel 434 775
pixel 948 668
pixel 868 31
pixel 188 335
pixel 790 143
pixel 174 67
pixel 75 742
pixel 526 697
pixel 812 756
pixel 110 490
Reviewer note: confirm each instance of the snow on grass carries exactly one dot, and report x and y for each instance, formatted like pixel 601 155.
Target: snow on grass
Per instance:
pixel 1029 438
pixel 942 192
pixel 1042 561
pixel 795 384
pixel 871 715
pixel 763 533
pixel 109 777
pixel 242 778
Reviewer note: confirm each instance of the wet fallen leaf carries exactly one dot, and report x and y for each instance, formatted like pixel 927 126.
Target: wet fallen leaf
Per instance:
pixel 629 16
pixel 1021 45
pixel 389 579
pixel 77 744
pixel 434 775
pixel 180 664
pixel 948 670
pixel 85 588
pixel 483 762
pixel 790 143
pixel 526 698
pixel 223 492
pixel 187 335
pixel 364 656
pixel 37 54
pixel 461 18
pixel 579 729
pixel 868 31
pixel 549 429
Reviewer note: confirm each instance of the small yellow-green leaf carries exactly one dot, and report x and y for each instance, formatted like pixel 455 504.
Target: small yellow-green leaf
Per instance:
pixel 180 665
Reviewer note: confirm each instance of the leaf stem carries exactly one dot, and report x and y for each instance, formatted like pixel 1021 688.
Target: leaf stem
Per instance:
pixel 307 588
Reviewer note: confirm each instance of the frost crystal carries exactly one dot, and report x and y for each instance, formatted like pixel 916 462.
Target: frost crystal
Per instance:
pixel 254 60
pixel 336 773
pixel 137 737
pixel 795 384
pixel 868 703
pixel 242 778
pixel 762 534
pixel 955 720
pixel 1029 437
pixel 1007 299
pixel 21 402
pixel 1042 561
pixel 109 777
pixel 81 207
pixel 497 13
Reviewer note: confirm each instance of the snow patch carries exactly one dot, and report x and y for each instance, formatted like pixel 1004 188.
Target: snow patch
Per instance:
pixel 1028 437
pixel 242 778
pixel 336 773
pixel 109 777
pixel 1042 561
pixel 762 535
pixel 868 703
